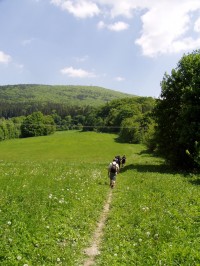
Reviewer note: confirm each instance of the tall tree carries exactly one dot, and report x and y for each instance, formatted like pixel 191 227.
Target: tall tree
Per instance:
pixel 177 112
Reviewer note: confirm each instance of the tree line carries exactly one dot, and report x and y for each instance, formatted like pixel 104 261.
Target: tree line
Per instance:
pixel 133 113
pixel 33 125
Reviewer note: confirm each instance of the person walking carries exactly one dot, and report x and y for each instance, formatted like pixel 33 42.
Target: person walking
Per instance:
pixel 123 160
pixel 113 170
pixel 118 160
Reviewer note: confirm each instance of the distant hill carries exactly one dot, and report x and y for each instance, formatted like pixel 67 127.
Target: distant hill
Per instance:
pixel 59 94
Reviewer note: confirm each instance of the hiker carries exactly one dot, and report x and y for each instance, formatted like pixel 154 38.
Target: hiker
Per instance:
pixel 123 160
pixel 118 160
pixel 113 170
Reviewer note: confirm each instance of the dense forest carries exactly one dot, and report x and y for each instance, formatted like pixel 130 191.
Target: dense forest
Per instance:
pixel 22 99
pixel 25 109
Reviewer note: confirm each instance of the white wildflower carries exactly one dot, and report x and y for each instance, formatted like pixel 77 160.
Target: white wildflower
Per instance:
pixel 19 257
pixel 145 209
pixel 9 222
pixel 156 236
pixel 61 201
pixel 148 234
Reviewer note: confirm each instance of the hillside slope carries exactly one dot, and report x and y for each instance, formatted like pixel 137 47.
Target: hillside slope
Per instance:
pixel 68 94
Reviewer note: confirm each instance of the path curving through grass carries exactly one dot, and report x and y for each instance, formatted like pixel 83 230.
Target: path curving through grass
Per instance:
pixel 93 250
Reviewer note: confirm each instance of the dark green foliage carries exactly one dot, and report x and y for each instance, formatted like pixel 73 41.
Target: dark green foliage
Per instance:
pixel 10 128
pixel 178 112
pixel 116 112
pixel 77 107
pixel 195 156
pixel 137 129
pixel 130 131
pixel 18 100
pixel 37 125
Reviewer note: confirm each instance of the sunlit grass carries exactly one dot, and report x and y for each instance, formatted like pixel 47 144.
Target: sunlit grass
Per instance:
pixel 52 191
pixel 154 218
pixel 48 211
pixel 69 146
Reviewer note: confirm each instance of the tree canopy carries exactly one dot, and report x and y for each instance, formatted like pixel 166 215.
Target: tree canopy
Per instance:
pixel 177 113
pixel 37 124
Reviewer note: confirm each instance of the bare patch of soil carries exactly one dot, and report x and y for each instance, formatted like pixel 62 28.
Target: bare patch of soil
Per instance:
pixel 93 250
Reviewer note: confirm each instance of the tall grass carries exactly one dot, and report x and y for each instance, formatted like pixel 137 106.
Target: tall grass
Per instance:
pixel 154 217
pixel 52 191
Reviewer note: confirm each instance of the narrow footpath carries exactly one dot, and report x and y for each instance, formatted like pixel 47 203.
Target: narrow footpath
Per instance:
pixel 93 250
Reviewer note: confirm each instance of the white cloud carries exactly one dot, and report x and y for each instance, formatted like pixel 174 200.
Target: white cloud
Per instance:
pixel 117 26
pixel 82 59
pixel 185 44
pixel 120 8
pixel 4 58
pixel 80 8
pixel 197 25
pixel 119 79
pixel 168 26
pixel 77 73
pixel 101 25
pixel 165 27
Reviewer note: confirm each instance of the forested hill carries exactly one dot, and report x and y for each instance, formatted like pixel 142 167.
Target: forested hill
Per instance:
pixel 58 94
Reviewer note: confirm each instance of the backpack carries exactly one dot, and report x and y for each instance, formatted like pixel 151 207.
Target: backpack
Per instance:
pixel 113 168
pixel 123 159
pixel 118 159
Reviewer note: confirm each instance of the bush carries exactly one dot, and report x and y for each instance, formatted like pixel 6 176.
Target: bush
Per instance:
pixel 37 124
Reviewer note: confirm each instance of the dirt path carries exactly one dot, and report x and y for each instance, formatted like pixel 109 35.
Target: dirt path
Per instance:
pixel 93 250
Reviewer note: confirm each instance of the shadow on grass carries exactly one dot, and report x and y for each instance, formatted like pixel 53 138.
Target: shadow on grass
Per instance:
pixel 148 153
pixel 162 169
pixel 195 182
pixel 144 168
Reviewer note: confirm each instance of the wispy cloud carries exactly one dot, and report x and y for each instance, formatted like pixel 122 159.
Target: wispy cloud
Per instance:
pixel 80 9
pixel 119 79
pixel 19 66
pixel 4 58
pixel 82 59
pixel 117 26
pixel 77 73
pixel 27 41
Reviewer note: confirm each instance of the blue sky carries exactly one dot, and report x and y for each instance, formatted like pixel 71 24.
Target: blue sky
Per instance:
pixel 123 45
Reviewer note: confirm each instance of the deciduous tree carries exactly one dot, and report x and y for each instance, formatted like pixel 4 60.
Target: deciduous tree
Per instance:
pixel 178 112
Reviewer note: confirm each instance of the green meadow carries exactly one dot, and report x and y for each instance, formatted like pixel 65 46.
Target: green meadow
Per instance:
pixel 52 193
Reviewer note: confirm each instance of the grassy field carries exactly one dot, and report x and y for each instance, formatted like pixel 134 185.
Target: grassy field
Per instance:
pixel 52 191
